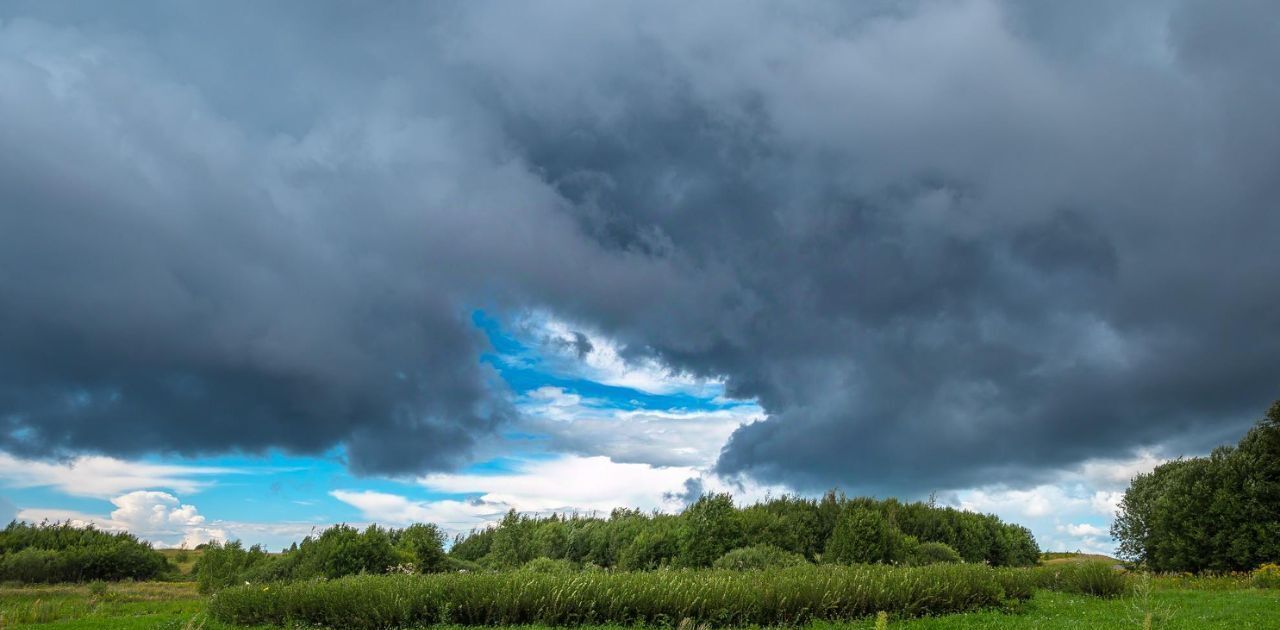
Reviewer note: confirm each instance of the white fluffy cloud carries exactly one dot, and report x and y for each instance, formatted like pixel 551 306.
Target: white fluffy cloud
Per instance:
pixel 568 484
pixel 393 509
pixel 1083 530
pixel 162 519
pixel 571 483
pixel 104 477
pixel 660 437
pixel 158 517
pixel 602 360
pixel 1074 511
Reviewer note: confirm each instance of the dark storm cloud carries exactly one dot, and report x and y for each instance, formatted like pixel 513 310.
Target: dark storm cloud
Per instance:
pixel 937 240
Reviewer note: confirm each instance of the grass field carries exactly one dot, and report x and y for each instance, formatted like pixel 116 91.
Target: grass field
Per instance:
pixel 1172 602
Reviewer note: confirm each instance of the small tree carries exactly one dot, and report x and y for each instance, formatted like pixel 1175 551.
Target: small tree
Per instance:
pixel 709 528
pixel 425 543
pixel 862 536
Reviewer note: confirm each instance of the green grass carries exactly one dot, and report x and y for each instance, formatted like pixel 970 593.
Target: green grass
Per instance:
pixel 124 605
pixel 1068 557
pixel 772 597
pixel 1176 603
pixel 1170 610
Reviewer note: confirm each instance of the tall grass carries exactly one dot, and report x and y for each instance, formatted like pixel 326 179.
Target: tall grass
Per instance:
pixel 1101 579
pixel 787 596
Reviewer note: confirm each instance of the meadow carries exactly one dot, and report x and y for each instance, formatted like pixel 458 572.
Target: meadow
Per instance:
pixel 788 562
pixel 1174 602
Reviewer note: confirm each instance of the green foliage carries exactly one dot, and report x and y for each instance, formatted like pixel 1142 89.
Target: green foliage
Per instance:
pixel 709 528
pixel 548 565
pixel 424 545
pixel 1100 579
pixel 222 565
pixel 632 540
pixel 1266 576
pixel 474 546
pixel 1216 513
pixel 60 552
pixel 759 557
pixel 458 565
pixel 337 551
pixel 863 536
pixel 551 539
pixel 343 550
pixel 653 547
pixel 934 553
pixel 777 597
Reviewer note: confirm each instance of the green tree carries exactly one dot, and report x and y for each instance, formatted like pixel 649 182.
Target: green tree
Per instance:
pixel 863 536
pixel 424 542
pixel 709 528
pixel 1216 513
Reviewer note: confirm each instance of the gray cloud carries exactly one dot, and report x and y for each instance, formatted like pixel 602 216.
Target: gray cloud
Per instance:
pixel 937 240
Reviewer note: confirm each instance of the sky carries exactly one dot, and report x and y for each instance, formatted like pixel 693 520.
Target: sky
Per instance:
pixel 269 267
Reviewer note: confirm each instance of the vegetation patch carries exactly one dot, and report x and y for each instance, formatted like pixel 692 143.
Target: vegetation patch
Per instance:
pixel 60 552
pixel 789 596
pixel 1100 579
pixel 1219 513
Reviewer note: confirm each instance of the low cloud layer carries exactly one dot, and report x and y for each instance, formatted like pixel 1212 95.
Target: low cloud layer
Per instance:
pixel 938 242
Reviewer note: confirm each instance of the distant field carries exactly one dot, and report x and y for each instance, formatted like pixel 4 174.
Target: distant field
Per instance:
pixel 184 559
pixel 1174 603
pixel 1063 557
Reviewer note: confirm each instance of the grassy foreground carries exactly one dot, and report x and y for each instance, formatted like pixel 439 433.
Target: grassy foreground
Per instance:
pixel 1174 603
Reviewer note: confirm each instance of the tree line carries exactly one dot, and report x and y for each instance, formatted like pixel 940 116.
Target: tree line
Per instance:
pixel 833 528
pixel 61 552
pixel 712 532
pixel 1215 513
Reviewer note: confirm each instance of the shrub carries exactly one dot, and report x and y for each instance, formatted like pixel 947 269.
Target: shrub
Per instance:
pixel 1100 579
pixel 222 565
pixel 60 552
pixel 709 528
pixel 344 550
pixel 1267 576
pixel 759 557
pixel 934 553
pixel 455 565
pixel 712 526
pixel 862 536
pixel 424 544
pixel 547 565
pixel 775 597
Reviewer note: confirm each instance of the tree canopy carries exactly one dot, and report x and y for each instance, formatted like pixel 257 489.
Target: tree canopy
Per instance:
pixel 1215 513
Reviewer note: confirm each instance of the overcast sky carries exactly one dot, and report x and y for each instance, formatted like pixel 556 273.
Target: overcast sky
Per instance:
pixel 270 266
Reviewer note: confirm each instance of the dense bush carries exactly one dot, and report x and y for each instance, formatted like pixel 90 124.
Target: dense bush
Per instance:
pixel 60 552
pixel 790 596
pixel 547 565
pixel 759 557
pixel 863 536
pixel 222 565
pixel 337 551
pixel 1100 579
pixel 934 553
pixel 709 528
pixel 833 529
pixel 1266 576
pixel 1217 513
